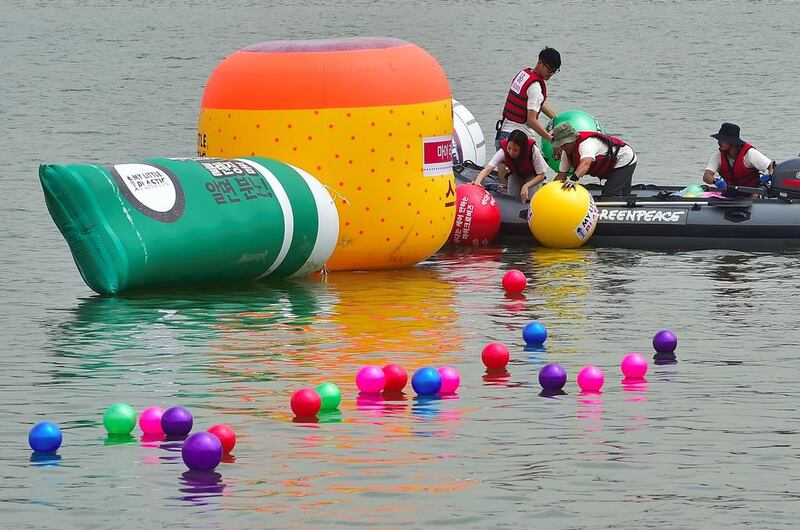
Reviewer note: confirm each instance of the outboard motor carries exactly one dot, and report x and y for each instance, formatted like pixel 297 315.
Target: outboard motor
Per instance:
pixel 786 179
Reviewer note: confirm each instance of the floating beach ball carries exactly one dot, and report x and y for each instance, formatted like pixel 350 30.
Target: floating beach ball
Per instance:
pixel 150 420
pixel 177 421
pixel 634 365
pixel 396 378
pixel 665 341
pixel 119 418
pixel 552 377
pixel 202 451
pixel 370 379
pixel 534 333
pixel 580 120
pixel 330 396
pixel 450 379
pixel 495 356
pixel 226 436
pixel 305 403
pixel 590 378
pixel 477 219
pixel 514 281
pixel 45 437
pixel 426 381
pixel 562 218
pixel 370 117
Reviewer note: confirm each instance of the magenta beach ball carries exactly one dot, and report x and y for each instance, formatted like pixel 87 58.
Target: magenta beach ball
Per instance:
pixel 591 378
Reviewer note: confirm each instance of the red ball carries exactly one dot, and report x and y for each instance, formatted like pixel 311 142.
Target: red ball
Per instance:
pixel 514 281
pixel 226 436
pixel 477 219
pixel 306 403
pixel 396 378
pixel 495 356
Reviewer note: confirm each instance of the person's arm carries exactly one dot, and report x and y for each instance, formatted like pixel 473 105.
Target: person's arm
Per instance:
pixel 711 168
pixel 535 106
pixel 482 175
pixel 548 110
pixel 498 157
pixel 583 167
pixel 524 193
pixel 533 123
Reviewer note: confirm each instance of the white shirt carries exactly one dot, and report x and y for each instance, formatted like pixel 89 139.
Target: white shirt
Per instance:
pixel 538 160
pixel 753 159
pixel 594 147
pixel 535 100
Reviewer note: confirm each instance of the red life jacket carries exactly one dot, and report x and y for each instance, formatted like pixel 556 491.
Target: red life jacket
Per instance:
pixel 522 166
pixel 603 164
pixel 738 175
pixel 516 107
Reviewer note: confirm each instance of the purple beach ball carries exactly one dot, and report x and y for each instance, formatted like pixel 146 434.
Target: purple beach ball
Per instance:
pixel 202 451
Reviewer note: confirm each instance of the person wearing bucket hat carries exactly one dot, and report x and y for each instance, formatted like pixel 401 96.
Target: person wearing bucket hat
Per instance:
pixel 592 153
pixel 737 162
pixel 527 97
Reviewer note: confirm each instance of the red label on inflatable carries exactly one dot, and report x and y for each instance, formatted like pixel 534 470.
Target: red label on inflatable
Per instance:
pixel 437 156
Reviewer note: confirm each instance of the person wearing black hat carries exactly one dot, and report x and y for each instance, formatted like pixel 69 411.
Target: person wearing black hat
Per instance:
pixel 527 97
pixel 737 162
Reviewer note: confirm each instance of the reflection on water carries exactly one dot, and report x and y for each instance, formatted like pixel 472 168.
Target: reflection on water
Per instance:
pixel 199 487
pixel 235 357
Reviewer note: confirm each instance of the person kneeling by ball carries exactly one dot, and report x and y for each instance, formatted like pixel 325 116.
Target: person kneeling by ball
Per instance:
pixel 592 153
pixel 521 157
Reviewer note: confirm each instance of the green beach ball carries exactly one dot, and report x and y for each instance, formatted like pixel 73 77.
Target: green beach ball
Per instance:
pixel 331 396
pixel 119 418
pixel 582 121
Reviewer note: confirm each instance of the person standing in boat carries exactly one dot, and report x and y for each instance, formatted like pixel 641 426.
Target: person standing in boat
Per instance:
pixel 527 97
pixel 737 162
pixel 592 153
pixel 522 158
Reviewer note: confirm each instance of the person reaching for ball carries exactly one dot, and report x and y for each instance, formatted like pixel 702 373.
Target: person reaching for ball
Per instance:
pixel 592 153
pixel 522 158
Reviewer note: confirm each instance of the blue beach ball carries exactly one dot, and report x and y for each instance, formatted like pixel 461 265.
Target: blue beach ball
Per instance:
pixel 45 437
pixel 534 334
pixel 426 381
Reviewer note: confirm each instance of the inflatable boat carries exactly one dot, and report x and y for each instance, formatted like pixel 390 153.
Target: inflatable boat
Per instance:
pixel 665 218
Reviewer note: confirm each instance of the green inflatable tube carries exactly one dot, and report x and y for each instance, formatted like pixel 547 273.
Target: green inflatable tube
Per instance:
pixel 582 121
pixel 169 222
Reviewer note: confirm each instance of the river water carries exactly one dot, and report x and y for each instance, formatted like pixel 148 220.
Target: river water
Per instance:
pixel 709 442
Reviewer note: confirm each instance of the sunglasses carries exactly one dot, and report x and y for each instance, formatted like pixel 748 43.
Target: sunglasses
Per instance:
pixel 553 71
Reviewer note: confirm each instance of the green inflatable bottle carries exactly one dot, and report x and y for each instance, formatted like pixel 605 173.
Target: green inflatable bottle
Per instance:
pixel 169 222
pixel 582 121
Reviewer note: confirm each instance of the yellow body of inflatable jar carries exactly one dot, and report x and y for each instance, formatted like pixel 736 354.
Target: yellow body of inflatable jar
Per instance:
pixel 371 118
pixel 562 218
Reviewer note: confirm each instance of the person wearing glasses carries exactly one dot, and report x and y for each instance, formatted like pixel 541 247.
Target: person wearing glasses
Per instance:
pixel 527 97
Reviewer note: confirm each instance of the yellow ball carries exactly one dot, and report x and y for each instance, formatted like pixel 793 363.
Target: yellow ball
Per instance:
pixel 562 218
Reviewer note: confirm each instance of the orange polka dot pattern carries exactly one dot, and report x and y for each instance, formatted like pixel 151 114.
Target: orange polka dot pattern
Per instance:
pixel 371 159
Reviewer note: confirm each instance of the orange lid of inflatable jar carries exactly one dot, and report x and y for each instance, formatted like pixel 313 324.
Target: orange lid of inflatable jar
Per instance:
pixel 370 117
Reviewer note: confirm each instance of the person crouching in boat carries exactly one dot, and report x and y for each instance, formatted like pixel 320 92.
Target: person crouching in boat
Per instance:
pixel 521 157
pixel 592 153
pixel 737 162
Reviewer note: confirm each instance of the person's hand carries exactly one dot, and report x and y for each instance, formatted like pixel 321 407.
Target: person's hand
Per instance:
pixel 569 183
pixel 477 183
pixel 523 195
pixel 764 179
pixel 720 183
